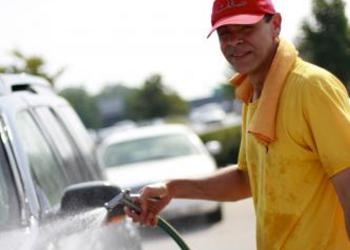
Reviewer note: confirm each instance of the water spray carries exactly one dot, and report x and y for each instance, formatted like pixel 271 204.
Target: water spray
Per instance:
pixel 125 198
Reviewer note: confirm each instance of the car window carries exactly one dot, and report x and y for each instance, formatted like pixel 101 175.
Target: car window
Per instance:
pixel 77 129
pixel 146 149
pixel 81 137
pixel 47 173
pixel 9 205
pixel 73 165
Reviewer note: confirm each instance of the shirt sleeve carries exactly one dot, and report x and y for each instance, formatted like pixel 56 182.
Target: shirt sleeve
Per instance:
pixel 327 112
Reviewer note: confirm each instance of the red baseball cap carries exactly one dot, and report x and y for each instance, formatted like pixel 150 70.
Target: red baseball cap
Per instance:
pixel 239 12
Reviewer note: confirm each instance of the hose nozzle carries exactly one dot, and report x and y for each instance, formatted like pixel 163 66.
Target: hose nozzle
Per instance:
pixel 124 198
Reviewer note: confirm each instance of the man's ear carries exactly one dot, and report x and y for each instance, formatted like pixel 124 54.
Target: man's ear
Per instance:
pixel 276 24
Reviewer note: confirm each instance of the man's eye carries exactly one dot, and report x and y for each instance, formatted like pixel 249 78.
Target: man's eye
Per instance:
pixel 247 28
pixel 224 35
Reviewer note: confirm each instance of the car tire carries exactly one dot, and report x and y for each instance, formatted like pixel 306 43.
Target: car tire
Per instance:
pixel 215 216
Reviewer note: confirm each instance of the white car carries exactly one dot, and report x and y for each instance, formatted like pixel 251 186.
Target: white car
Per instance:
pixel 210 113
pixel 44 150
pixel 145 155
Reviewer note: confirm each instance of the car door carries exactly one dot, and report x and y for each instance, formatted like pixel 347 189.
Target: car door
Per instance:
pixel 9 206
pixel 67 135
pixel 50 181
pixel 60 139
pixel 18 221
pixel 49 177
pixel 33 177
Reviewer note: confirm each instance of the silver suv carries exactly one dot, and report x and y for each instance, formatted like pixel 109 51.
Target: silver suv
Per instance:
pixel 44 150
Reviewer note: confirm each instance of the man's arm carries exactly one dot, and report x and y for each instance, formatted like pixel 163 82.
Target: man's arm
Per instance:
pixel 341 182
pixel 227 184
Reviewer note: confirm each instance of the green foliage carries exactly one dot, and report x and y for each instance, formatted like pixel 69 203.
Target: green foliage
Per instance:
pixel 114 91
pixel 154 100
pixel 177 106
pixel 225 91
pixel 230 139
pixel 84 105
pixel 33 65
pixel 326 42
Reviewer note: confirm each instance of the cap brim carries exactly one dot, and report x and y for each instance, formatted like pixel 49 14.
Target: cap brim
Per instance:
pixel 238 20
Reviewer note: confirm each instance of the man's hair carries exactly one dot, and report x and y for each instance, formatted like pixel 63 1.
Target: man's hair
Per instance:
pixel 268 17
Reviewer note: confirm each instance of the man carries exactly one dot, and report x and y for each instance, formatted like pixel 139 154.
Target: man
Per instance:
pixel 294 157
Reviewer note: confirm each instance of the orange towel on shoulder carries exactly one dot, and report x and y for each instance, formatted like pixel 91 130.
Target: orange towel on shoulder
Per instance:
pixel 263 123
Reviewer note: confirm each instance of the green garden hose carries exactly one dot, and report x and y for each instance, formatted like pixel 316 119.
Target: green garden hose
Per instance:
pixel 124 198
pixel 171 231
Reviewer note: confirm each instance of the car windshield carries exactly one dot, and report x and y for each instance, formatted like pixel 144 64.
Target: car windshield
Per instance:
pixel 147 149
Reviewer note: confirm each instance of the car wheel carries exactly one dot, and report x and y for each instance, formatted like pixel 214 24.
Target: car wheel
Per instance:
pixel 214 216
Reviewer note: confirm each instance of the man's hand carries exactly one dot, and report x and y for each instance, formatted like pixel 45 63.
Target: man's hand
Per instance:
pixel 152 200
pixel 341 182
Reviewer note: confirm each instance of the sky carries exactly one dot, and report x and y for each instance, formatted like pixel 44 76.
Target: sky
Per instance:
pixel 126 41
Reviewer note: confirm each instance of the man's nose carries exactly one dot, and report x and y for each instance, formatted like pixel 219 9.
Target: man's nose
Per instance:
pixel 238 41
pixel 234 41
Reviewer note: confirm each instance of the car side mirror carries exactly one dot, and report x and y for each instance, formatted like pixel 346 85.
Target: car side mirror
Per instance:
pixel 213 147
pixel 88 195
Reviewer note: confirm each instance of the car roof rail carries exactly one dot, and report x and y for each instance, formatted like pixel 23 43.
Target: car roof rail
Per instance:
pixel 10 83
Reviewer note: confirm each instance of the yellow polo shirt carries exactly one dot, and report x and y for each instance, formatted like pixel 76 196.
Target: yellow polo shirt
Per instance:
pixel 295 202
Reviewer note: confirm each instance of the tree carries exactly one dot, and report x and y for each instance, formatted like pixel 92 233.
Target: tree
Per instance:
pixel 154 100
pixel 34 65
pixel 112 101
pixel 177 106
pixel 224 91
pixel 85 105
pixel 326 42
pixel 112 91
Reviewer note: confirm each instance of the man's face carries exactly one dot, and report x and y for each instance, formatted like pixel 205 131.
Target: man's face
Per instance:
pixel 250 48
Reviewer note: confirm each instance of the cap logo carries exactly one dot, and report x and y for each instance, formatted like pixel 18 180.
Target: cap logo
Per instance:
pixel 228 4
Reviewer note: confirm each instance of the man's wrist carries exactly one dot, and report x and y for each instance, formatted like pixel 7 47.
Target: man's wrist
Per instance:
pixel 170 186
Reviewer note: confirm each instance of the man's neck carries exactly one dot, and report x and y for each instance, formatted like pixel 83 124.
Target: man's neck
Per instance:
pixel 258 78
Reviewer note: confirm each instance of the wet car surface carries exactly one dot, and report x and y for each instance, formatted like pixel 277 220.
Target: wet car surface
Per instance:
pixel 44 150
